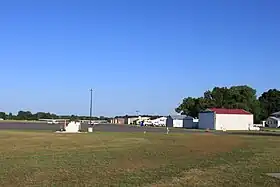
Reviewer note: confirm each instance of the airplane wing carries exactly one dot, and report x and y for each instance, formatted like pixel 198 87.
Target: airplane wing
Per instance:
pixel 53 119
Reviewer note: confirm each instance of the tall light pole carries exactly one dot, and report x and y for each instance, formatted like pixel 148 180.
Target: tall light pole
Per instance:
pixel 90 108
pixel 137 112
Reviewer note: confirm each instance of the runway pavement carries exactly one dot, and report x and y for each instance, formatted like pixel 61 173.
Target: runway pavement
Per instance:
pixel 27 126
pixel 119 128
pixel 99 127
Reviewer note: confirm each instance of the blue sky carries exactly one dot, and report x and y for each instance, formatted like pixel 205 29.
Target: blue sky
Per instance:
pixel 137 55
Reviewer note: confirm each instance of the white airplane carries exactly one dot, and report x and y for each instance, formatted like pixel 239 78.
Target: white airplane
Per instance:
pixel 148 123
pixel 161 122
pixel 53 121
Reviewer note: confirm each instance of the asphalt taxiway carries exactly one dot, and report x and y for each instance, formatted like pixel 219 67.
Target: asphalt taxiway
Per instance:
pixel 99 127
pixel 119 128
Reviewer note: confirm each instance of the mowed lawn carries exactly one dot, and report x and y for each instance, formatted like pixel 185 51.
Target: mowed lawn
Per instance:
pixel 137 159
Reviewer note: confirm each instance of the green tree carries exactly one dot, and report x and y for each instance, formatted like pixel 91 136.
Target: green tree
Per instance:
pixel 3 115
pixel 40 115
pixel 24 115
pixel 243 97
pixel 186 106
pixel 74 118
pixel 269 102
pixel 220 97
pixel 10 116
pixel 192 106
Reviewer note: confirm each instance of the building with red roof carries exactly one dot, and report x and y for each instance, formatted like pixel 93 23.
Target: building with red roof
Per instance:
pixel 225 119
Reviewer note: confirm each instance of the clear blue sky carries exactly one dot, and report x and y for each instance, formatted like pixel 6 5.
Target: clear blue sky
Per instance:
pixel 141 55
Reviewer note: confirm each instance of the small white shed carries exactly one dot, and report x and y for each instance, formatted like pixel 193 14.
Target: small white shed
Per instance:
pixel 181 121
pixel 225 119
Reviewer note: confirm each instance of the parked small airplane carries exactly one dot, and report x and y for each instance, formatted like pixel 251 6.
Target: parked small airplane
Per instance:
pixel 53 121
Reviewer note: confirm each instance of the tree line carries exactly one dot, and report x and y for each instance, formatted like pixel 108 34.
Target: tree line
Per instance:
pixel 241 97
pixel 27 115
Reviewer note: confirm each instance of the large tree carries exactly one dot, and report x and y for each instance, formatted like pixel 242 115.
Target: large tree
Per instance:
pixel 243 97
pixel 269 102
pixel 192 106
pixel 3 115
pixel 24 115
pixel 10 116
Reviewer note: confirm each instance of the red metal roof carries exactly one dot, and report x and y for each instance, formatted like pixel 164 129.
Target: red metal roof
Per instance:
pixel 229 111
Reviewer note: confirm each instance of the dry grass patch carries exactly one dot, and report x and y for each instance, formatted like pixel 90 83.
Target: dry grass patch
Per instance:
pixel 244 167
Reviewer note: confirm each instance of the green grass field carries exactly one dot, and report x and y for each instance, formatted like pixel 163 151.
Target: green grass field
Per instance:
pixel 137 159
pixel 271 129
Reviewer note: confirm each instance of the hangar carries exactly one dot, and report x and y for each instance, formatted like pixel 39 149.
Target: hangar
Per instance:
pixel 273 121
pixel 181 121
pixel 225 119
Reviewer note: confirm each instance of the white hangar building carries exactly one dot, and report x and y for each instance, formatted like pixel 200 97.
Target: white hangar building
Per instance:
pixel 225 119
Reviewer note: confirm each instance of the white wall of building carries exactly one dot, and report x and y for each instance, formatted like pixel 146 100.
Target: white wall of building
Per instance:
pixel 178 123
pixel 131 120
pixel 206 120
pixel 73 127
pixel 234 121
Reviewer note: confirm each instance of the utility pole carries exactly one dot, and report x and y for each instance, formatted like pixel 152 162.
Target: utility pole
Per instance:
pixel 90 108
